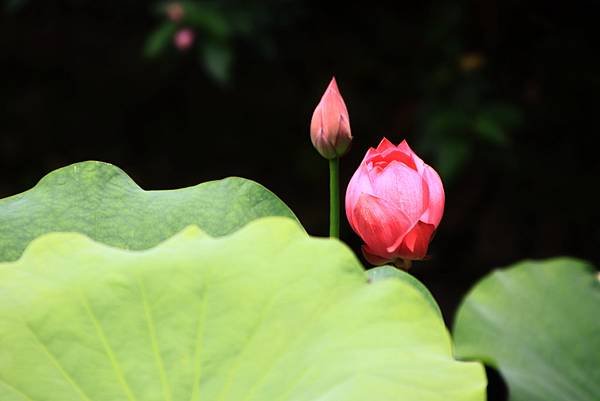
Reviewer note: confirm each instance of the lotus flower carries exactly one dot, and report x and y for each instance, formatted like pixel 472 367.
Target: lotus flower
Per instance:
pixel 394 202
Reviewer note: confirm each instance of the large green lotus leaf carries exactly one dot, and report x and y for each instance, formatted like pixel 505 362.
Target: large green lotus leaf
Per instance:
pixel 390 272
pixel 538 323
pixel 266 313
pixel 101 201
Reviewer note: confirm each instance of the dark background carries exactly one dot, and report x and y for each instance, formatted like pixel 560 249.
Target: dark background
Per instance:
pixel 499 97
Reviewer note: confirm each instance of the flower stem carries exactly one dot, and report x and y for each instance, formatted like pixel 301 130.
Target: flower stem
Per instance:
pixel 334 197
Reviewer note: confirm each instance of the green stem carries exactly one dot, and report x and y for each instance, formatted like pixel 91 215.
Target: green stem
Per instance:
pixel 334 198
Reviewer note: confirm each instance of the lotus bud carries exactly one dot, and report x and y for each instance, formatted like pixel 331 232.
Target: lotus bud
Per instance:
pixel 330 125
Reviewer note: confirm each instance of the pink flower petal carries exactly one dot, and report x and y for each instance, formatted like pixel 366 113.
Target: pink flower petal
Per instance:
pixel 402 187
pixel 359 184
pixel 435 210
pixel 320 141
pixel 415 243
pixel 384 145
pixel 418 162
pixel 379 223
pixel 403 147
pixel 334 110
pixel 390 155
pixel 371 152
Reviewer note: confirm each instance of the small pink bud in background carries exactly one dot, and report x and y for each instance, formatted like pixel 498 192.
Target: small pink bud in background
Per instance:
pixel 184 38
pixel 394 202
pixel 174 11
pixel 330 124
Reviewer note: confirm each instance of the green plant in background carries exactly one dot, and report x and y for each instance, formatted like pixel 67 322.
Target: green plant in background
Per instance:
pixel 13 5
pixel 456 119
pixel 460 107
pixel 209 29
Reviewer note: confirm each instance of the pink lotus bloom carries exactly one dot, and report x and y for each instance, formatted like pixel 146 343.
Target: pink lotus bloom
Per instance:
pixel 394 202
pixel 330 124
pixel 184 38
pixel 174 11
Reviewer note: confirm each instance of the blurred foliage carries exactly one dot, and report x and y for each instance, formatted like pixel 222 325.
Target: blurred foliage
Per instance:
pixel 13 5
pixel 452 123
pixel 218 25
pixel 459 109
